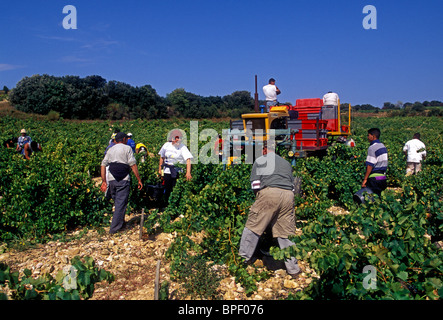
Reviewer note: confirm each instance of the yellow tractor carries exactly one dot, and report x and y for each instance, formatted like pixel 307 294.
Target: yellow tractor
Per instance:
pixel 308 128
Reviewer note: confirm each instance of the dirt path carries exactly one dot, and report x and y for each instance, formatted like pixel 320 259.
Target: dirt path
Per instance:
pixel 133 261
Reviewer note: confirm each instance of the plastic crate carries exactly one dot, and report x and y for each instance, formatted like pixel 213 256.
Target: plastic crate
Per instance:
pixel 316 102
pixel 310 134
pixel 312 124
pixel 332 124
pixel 306 124
pixel 309 143
pixel 304 109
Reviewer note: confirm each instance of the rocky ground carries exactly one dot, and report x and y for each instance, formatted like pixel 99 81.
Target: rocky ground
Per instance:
pixel 133 261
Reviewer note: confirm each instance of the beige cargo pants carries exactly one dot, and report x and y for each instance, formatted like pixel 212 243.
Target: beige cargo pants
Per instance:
pixel 276 207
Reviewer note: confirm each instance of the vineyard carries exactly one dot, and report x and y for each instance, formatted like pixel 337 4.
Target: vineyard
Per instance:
pixel 397 237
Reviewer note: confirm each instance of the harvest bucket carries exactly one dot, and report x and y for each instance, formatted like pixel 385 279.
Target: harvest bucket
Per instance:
pixel 359 196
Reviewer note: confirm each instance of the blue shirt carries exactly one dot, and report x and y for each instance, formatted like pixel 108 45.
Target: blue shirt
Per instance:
pixel 131 143
pixel 22 140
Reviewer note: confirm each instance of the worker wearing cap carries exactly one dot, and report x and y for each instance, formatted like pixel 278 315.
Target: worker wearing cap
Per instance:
pixel 22 140
pixel 273 183
pixel 131 142
pixel 121 161
pixel 271 91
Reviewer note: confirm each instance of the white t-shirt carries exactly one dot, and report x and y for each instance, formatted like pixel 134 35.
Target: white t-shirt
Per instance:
pixel 270 92
pixel 412 147
pixel 330 99
pixel 175 154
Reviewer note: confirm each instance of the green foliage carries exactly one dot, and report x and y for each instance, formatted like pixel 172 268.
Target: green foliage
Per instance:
pixel 63 287
pixel 54 191
pixel 198 277
pixel 92 97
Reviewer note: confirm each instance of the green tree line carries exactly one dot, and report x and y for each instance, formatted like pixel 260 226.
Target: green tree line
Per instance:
pixel 93 97
pixel 416 106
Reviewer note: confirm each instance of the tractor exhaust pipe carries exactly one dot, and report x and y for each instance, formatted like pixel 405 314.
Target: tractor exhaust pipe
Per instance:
pixel 256 96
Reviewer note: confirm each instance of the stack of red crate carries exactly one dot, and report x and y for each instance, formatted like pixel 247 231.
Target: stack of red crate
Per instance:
pixel 308 108
pixel 308 113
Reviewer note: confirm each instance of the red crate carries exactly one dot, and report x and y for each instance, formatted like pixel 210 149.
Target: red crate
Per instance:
pixel 310 134
pixel 316 102
pixel 305 109
pixel 309 143
pixel 332 125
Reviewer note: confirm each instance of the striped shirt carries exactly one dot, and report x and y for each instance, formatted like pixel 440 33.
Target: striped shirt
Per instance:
pixel 377 157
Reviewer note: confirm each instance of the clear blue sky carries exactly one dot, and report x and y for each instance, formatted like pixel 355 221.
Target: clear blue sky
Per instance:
pixel 215 47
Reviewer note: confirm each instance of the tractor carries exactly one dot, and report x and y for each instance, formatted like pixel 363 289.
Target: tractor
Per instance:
pixel 306 129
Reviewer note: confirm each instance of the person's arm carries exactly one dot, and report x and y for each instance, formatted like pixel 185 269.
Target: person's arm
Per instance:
pixel 104 185
pixel 368 172
pixel 135 170
pixel 188 170
pixel 160 163
pixel 277 90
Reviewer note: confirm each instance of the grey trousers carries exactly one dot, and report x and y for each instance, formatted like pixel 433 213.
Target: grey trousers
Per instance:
pixel 249 241
pixel 119 191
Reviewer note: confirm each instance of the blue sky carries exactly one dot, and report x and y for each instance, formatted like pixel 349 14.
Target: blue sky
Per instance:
pixel 216 47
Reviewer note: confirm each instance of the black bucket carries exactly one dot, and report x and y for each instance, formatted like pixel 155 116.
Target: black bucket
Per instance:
pixel 155 192
pixel 359 196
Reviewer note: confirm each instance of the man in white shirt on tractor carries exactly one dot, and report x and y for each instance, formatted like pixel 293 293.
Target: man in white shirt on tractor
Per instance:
pixel 330 99
pixel 271 91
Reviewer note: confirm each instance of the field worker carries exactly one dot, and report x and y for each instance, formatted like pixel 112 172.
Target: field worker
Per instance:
pixel 10 143
pixel 329 110
pixel 31 147
pixel 22 140
pixel 415 149
pixel 218 147
pixel 271 91
pixel 111 141
pixel 171 153
pixel 121 161
pixel 330 99
pixel 273 183
pixel 131 142
pixel 142 149
pixel 376 163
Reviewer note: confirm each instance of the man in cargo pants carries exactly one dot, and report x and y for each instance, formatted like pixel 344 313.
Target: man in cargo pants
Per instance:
pixel 273 183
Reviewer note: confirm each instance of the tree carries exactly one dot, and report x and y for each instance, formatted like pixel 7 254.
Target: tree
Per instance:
pixel 418 106
pixel 150 105
pixel 435 103
pixel 364 107
pixel 239 100
pixel 389 106
pixel 185 103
